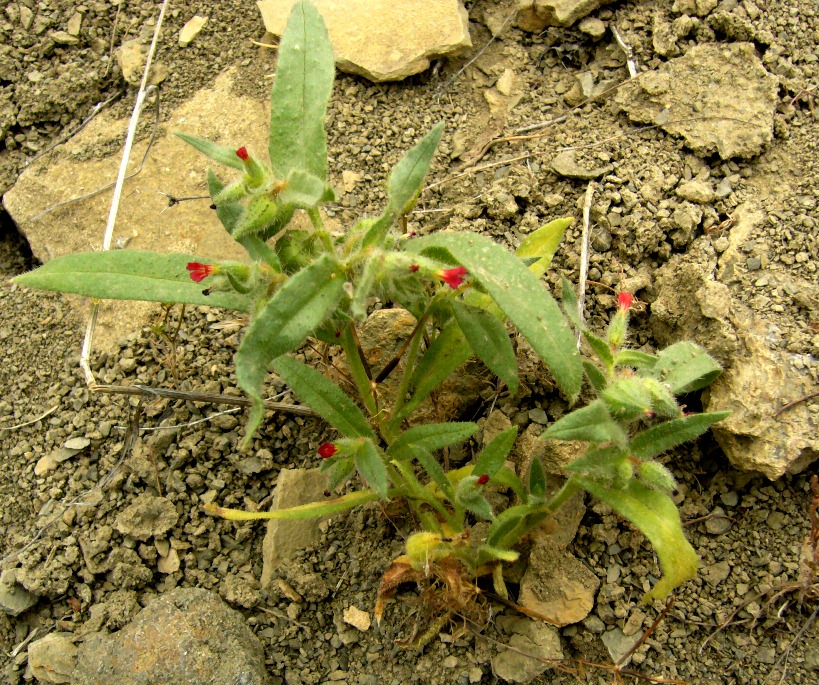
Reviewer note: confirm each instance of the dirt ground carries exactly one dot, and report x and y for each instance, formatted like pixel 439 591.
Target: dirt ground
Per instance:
pixel 747 530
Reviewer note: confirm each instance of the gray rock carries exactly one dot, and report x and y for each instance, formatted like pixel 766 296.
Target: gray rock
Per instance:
pixel 535 639
pixel 384 40
pixel 718 97
pixel 131 57
pixel 564 164
pixel 52 659
pixel 536 15
pixel 191 29
pixel 698 191
pixel 284 538
pixel 188 635
pixel 617 643
pixel 592 26
pixel 147 516
pixel 14 599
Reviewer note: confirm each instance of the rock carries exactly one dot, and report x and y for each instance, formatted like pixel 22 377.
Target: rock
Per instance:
pixel 50 461
pixel 557 585
pixel 190 30
pixel 617 643
pixel 75 168
pixel 536 15
pixel 14 599
pixel 148 515
pixel 63 38
pixel 188 635
pixel 357 618
pixel 131 57
pixel 565 164
pixel 748 219
pixel 718 97
pixel 384 40
pixel 74 24
pixel 592 26
pixel 52 658
pixel 493 425
pixel 284 538
pixel 698 191
pixel 532 640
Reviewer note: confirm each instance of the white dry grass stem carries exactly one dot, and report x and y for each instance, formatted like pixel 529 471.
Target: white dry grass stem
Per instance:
pixel 584 253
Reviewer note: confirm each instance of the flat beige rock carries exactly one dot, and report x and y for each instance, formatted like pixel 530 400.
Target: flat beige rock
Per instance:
pixel 384 40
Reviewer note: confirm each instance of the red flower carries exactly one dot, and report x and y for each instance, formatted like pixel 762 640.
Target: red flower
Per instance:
pixel 624 301
pixel 327 450
pixel 198 271
pixel 242 154
pixel 483 480
pixel 453 277
pixel 414 267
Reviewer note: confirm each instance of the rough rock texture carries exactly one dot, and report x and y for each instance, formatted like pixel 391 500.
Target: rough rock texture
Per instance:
pixel 718 97
pixel 536 15
pixel 284 538
pixel 14 599
pixel 535 640
pixel 186 636
pixel 147 516
pixel 73 170
pixel 401 39
pixel 52 659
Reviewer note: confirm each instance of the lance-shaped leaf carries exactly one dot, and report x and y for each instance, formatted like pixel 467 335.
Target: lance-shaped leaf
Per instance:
pixel 218 153
pixel 492 456
pixel 542 244
pixel 537 479
pixel 305 190
pixel 299 513
pixel 656 516
pixel 600 347
pixel 489 340
pixel 301 90
pixel 130 275
pixel 591 423
pixel 446 353
pixel 635 359
pixel 299 307
pixel 325 398
pixel 519 293
pixel 371 466
pixel 435 472
pixel 404 185
pixel 627 398
pixel 570 303
pixel 685 367
pixel 431 437
pixel 669 434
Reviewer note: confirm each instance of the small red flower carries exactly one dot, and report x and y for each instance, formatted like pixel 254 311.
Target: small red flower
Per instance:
pixel 624 301
pixel 414 268
pixel 453 277
pixel 327 450
pixel 483 480
pixel 242 154
pixel 198 271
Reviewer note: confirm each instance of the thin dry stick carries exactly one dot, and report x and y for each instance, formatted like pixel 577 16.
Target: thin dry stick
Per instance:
pixel 810 396
pixel 584 253
pixel 626 48
pixel 786 654
pixel 112 215
pixel 28 423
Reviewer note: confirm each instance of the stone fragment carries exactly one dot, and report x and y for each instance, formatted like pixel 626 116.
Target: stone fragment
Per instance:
pixel 531 641
pixel 592 26
pixel 74 24
pixel 718 97
pixel 169 562
pixel 357 618
pixel 565 164
pixel 618 643
pixel 188 635
pixel 52 658
pixel 536 15
pixel 698 190
pixel 14 599
pixel 148 515
pixel 131 57
pixel 191 29
pixel 284 538
pixel 384 40
pixel 556 584
pixel 64 38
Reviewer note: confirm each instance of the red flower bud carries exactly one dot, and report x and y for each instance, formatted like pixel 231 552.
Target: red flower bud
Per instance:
pixel 414 267
pixel 624 301
pixel 483 480
pixel 327 450
pixel 242 154
pixel 198 271
pixel 453 277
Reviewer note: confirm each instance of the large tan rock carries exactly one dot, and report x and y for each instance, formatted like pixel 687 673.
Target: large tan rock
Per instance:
pixel 384 40
pixel 536 15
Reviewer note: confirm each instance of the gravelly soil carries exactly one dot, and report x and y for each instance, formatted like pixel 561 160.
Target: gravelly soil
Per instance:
pixel 747 531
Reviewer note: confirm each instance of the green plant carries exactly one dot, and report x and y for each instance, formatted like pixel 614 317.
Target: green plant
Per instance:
pixel 462 289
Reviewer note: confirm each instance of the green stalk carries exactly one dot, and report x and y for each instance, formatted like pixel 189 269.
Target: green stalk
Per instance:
pixel 357 369
pixel 321 232
pixel 415 491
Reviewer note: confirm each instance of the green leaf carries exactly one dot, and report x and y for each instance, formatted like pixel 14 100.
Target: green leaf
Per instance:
pixel 570 304
pixel 325 398
pixel 446 353
pixel 537 479
pixel 492 456
pixel 541 245
pixel 685 367
pixel 506 524
pixel 299 307
pixel 371 466
pixel 305 190
pixel 218 153
pixel 338 471
pixel 404 185
pixel 627 398
pixel 431 436
pixel 591 423
pixel 130 275
pixel 519 293
pixel 635 359
pixel 489 340
pixel 656 516
pixel 669 434
pixel 600 347
pixel 227 213
pixel 299 513
pixel 596 377
pixel 301 90
pixel 436 473
pixel 509 479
